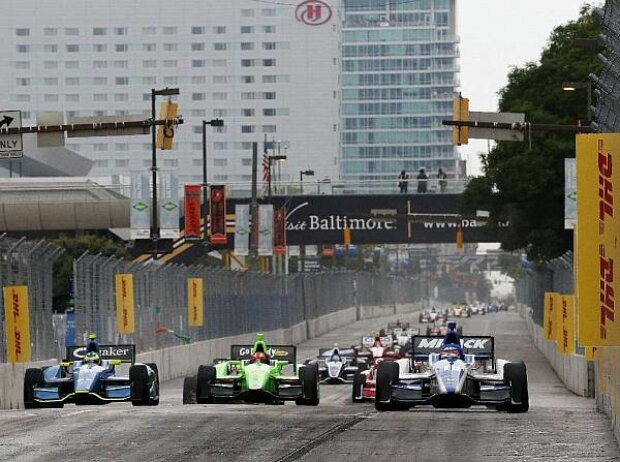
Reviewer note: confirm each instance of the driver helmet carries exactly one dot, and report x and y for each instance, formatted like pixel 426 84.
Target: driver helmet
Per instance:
pixel 259 357
pixel 92 336
pixel 450 352
pixel 452 325
pixel 91 358
pixel 377 341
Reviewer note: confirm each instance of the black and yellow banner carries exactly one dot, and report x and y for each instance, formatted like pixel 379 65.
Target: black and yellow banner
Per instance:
pixel 550 324
pixel 17 317
pixel 125 310
pixel 195 304
pixel 566 325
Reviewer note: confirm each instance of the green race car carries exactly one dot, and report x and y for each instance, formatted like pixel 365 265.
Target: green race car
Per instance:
pixel 255 374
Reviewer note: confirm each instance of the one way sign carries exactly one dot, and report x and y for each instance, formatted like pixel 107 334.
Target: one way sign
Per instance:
pixel 10 145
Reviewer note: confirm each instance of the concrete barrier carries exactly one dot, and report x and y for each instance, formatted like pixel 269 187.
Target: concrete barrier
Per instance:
pixel 607 380
pixel 182 360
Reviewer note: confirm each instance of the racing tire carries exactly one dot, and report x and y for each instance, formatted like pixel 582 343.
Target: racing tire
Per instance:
pixel 309 377
pixel 362 366
pixel 515 374
pixel 189 390
pixel 206 376
pixel 359 380
pixel 139 380
pixel 153 366
pixel 387 374
pixel 420 318
pixel 32 378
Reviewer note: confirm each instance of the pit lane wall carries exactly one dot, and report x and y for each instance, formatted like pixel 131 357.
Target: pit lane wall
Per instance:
pixel 178 361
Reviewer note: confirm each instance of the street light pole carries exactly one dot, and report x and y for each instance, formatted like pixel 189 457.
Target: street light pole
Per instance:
pixel 587 86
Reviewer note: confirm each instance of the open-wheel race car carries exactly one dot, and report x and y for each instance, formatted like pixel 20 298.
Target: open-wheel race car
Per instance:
pixel 338 365
pixel 375 350
pixel 452 372
pixel 255 374
pixel 90 377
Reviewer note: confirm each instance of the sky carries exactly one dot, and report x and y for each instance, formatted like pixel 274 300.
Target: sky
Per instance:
pixel 497 35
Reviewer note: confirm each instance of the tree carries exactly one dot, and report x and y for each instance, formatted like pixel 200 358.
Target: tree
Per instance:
pixel 523 184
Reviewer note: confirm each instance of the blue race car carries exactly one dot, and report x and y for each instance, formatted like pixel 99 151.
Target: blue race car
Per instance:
pixel 88 376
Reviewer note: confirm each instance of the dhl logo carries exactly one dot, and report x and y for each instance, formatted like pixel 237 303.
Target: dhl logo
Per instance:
pixel 606 264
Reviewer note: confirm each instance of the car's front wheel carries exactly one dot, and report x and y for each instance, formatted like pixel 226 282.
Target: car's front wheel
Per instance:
pixel 515 374
pixel 206 376
pixel 189 390
pixel 359 380
pixel 387 374
pixel 309 377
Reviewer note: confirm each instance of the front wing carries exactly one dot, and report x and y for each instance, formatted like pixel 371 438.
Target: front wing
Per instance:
pixel 235 389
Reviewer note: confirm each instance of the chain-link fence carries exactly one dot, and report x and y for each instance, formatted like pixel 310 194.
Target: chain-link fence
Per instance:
pixel 234 302
pixel 607 82
pixel 552 276
pixel 29 263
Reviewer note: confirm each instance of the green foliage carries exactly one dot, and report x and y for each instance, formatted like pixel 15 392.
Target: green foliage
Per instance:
pixel 524 185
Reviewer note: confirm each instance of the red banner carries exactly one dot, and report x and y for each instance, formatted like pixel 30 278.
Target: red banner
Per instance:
pixel 279 232
pixel 192 211
pixel 217 215
pixel 328 250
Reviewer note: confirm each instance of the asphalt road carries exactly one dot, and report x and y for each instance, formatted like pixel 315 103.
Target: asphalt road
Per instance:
pixel 559 427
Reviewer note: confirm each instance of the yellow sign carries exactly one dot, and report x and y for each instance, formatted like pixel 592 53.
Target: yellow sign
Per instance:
pixel 165 133
pixel 195 303
pixel 566 325
pixel 550 315
pixel 460 113
pixel 590 353
pixel 124 304
pixel 17 317
pixel 598 246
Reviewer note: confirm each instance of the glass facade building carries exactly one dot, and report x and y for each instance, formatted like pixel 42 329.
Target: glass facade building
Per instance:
pixel 399 76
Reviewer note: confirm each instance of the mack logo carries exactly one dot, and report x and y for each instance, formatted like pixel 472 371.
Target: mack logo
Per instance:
pixel 434 343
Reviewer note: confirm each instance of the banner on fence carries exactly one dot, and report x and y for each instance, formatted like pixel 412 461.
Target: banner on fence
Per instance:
pixel 598 179
pixel 550 315
pixel 265 230
pixel 17 321
pixel 242 229
pixel 125 312
pixel 192 211
pixel 140 206
pixel 279 232
pixel 570 194
pixel 195 304
pixel 217 215
pixel 169 205
pixel 566 327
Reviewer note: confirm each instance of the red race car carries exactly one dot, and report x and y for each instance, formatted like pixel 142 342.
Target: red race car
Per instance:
pixel 375 350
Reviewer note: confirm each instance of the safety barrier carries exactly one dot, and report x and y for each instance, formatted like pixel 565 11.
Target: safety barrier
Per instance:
pixel 607 373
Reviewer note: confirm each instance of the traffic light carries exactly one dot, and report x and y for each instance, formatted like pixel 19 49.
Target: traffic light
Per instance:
pixel 459 239
pixel 460 113
pixel 346 236
pixel 165 133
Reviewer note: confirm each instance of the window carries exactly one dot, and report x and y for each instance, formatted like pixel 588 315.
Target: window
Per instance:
pixel 100 48
pixel 121 47
pixel 23 48
pixel 269 79
pixel 146 162
pixel 121 147
pixel 219 29
pixel 50 81
pixel 149 80
pixel 50 65
pixel 268 12
pixel 22 32
pixel 72 31
pixel 121 81
pixel 100 81
pixel 269 95
pixel 100 113
pixel 171 47
pixel 219 63
pixel 121 163
pixel 247 13
pixel 171 80
pixel 22 65
pixel 120 31
pixel 220 162
pixel 50 98
pixel 151 63
pixel 269 29
pixel 198 30
pixel 72 64
pixel 72 81
pixel 219 46
pixel 269 45
pixel 100 64
pixel 198 46
pixel 171 162
pixel 99 31
pixel 149 30
pixel 247 95
pixel 269 62
pixel 198 79
pixel 247 79
pixel 220 145
pixel 149 47
pixel 72 98
pixel 246 162
pixel 199 113
pixel 248 112
pixel 169 30
pixel 269 128
pixel 101 163
pixel 50 48
pixel 198 96
pixel 269 112
pixel 73 48
pixel 247 29
pixel 247 45
pixel 220 177
pixel 247 129
pixel 220 79
pixel 121 64
pixel 198 63
pixel 100 97
pixel 50 31
pixel 170 63
pixel 23 82
pixel 219 96
pixel 247 62
pixel 121 97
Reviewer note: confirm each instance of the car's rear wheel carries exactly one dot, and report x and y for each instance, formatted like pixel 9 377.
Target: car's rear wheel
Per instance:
pixel 189 390
pixel 154 401
pixel 515 374
pixel 387 374
pixel 139 380
pixel 32 379
pixel 309 377
pixel 359 380
pixel 206 376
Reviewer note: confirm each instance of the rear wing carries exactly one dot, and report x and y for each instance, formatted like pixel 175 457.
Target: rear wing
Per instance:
pixel 369 340
pixel 481 347
pixel 275 352
pixel 124 353
pixel 397 325
pixel 326 353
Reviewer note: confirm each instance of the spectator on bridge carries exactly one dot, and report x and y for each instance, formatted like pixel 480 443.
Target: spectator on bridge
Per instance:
pixel 422 181
pixel 403 182
pixel 443 182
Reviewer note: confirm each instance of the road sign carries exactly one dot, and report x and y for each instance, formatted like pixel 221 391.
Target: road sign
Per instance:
pixel 11 146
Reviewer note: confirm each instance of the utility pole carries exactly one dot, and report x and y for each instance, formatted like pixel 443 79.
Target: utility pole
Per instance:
pixel 254 209
pixel 205 196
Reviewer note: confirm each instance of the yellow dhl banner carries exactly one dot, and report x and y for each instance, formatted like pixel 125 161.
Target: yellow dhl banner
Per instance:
pixel 598 249
pixel 590 353
pixel 550 315
pixel 195 302
pixel 17 318
pixel 124 304
pixel 566 324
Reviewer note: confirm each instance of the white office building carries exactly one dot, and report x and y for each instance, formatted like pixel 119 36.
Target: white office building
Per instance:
pixel 267 69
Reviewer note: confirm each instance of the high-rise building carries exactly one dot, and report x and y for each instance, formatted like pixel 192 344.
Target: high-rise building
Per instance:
pixel 268 69
pixel 399 75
